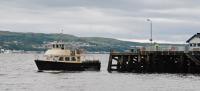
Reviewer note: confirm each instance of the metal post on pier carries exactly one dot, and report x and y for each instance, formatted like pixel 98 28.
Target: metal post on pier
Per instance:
pixel 151 34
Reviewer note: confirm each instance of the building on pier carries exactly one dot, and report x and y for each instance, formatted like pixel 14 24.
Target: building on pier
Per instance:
pixel 194 42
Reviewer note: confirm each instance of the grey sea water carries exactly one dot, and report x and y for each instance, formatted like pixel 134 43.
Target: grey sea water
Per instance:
pixel 19 73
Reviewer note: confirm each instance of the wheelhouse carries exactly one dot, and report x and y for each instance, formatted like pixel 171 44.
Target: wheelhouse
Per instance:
pixel 59 52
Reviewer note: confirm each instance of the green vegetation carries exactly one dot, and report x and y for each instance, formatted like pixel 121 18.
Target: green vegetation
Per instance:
pixel 35 41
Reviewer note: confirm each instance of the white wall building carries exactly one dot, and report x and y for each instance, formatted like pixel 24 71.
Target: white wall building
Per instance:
pixel 194 42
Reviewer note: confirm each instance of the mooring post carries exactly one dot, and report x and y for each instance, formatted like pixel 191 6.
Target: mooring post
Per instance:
pixel 147 62
pixel 122 64
pixel 180 68
pixel 109 69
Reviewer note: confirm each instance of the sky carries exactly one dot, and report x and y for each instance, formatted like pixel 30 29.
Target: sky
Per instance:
pixel 173 21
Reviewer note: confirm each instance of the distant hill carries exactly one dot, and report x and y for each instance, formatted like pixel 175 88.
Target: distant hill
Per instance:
pixel 35 41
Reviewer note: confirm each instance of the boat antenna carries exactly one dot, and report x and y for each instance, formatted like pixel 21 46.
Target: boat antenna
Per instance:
pixel 61 35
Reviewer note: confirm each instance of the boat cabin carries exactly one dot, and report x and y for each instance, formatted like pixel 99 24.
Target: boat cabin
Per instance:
pixel 59 52
pixel 194 42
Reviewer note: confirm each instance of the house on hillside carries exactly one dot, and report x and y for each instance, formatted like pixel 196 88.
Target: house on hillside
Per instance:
pixel 194 42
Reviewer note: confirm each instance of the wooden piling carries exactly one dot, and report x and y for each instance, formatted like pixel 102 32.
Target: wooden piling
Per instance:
pixel 154 61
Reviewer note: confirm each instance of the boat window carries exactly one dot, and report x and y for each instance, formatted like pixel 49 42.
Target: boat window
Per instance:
pixel 55 58
pixel 72 52
pixel 56 46
pixel 61 59
pixel 78 58
pixel 62 46
pixel 73 59
pixel 53 46
pixel 78 52
pixel 67 59
pixel 198 44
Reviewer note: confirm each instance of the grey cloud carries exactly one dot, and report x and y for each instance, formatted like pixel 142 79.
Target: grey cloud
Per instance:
pixel 122 19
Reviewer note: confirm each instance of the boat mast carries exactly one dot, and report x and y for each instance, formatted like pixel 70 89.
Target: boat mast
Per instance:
pixel 61 35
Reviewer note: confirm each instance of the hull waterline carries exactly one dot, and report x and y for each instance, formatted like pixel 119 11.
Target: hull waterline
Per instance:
pixel 55 65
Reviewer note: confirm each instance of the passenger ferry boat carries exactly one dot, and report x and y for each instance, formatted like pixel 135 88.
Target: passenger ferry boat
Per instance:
pixel 59 57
